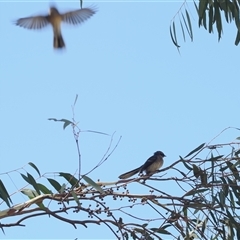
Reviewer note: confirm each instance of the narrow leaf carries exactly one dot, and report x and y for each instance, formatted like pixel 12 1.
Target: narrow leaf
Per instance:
pixel 33 182
pixel 185 164
pixel 25 178
pixel 161 231
pixel 210 16
pixel 44 189
pixel 215 159
pixel 76 198
pixel 204 20
pixel 30 193
pixel 182 31
pixel 196 149
pixel 92 183
pixel 174 32
pixel 63 188
pixel 4 194
pixel 96 132
pixel 237 40
pixel 196 7
pixel 66 122
pixel 174 42
pixel 201 10
pixel 185 23
pixel 34 166
pixel 213 217
pixel 55 184
pixel 194 191
pixel 189 24
pixel 75 99
pixel 70 178
pixel 217 18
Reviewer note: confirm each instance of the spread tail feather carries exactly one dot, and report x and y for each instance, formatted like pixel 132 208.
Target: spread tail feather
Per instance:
pixel 58 41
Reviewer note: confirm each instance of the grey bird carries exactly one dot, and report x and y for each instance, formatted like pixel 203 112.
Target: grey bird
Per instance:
pixel 150 166
pixel 55 19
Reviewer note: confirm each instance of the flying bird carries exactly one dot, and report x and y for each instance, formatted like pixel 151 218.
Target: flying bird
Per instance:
pixel 55 19
pixel 150 166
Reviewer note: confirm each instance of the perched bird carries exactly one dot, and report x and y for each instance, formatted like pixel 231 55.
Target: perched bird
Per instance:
pixel 55 19
pixel 150 166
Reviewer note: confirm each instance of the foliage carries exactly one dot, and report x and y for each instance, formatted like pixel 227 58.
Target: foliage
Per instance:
pixel 207 207
pixel 210 16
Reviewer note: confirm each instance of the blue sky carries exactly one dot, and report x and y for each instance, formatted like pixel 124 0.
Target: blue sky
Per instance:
pixel 130 79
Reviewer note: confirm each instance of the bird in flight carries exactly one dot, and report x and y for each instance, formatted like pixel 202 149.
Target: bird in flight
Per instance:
pixel 55 19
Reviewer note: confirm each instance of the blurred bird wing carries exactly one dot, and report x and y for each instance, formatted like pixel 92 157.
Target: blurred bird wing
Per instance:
pixel 78 16
pixel 36 22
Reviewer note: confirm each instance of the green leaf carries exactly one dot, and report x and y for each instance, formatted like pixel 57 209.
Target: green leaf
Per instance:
pixel 33 182
pixel 237 40
pixel 29 179
pixel 70 178
pixel 197 171
pixel 63 188
pixel 185 164
pixel 4 194
pixel 204 225
pixel 194 191
pixel 189 24
pixel 236 16
pixel 201 10
pixel 185 23
pixel 232 202
pixel 217 18
pixel 44 189
pixel 219 203
pixel 231 218
pixel 182 31
pixel 173 40
pixel 215 159
pixel 76 198
pixel 234 188
pixel 75 99
pixel 196 7
pixel 161 231
pixel 210 16
pixel 55 184
pixel 174 32
pixel 93 184
pixel 91 131
pixel 204 178
pixel 196 149
pixel 233 170
pixel 221 197
pixel 66 122
pixel 34 166
pixel 213 217
pixel 30 193
pixel 204 20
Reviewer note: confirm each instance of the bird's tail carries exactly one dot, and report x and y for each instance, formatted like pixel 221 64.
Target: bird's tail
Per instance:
pixel 58 41
pixel 130 173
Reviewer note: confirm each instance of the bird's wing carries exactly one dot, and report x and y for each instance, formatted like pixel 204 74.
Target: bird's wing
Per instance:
pixel 78 16
pixel 36 22
pixel 150 160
